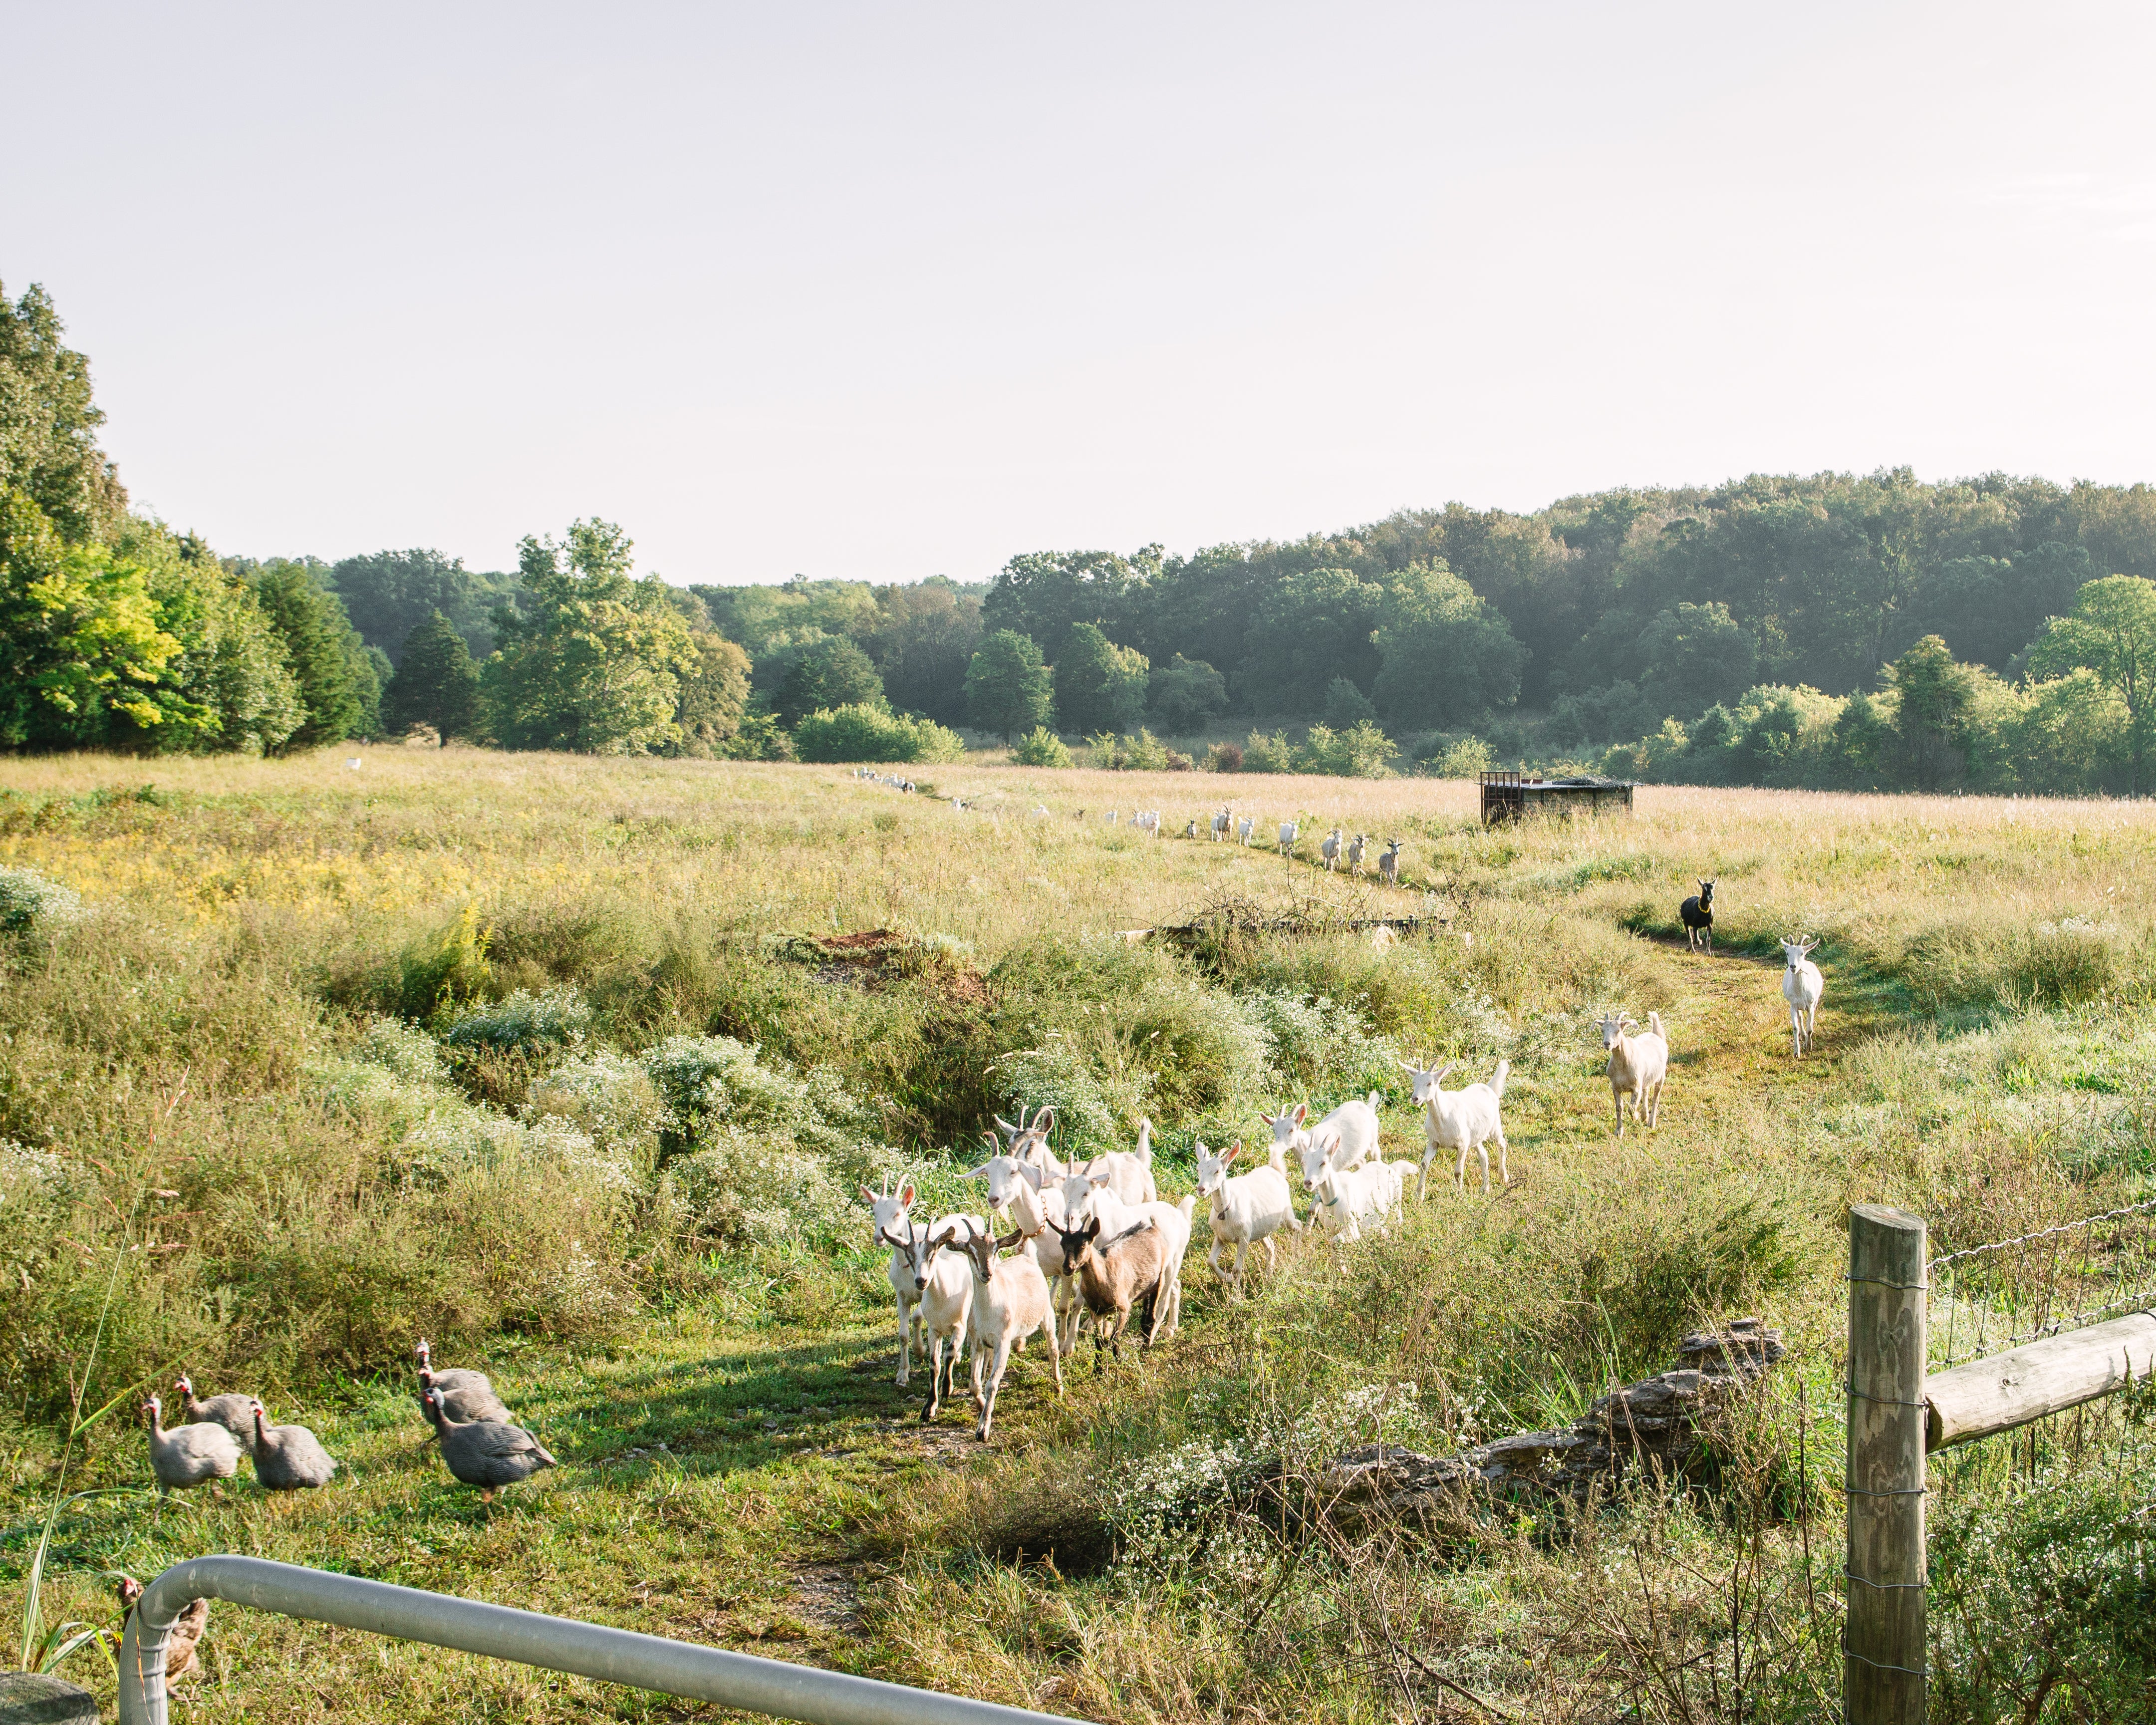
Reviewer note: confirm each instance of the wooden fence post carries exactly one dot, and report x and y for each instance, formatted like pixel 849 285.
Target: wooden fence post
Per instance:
pixel 1883 1645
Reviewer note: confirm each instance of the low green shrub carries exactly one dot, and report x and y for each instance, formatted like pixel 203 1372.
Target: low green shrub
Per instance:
pixel 30 904
pixel 862 732
pixel 1041 747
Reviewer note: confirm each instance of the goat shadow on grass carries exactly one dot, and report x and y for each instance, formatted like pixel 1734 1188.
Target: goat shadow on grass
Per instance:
pixel 740 1412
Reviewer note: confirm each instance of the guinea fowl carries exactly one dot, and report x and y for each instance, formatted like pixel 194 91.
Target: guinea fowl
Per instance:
pixel 486 1453
pixel 289 1458
pixel 229 1411
pixel 466 1395
pixel 193 1454
pixel 180 1641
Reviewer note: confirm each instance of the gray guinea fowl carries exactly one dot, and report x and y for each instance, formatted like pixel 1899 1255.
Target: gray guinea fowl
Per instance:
pixel 466 1394
pixel 189 1455
pixel 229 1411
pixel 289 1458
pixel 486 1453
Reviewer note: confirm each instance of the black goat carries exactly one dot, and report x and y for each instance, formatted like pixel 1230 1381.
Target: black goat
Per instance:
pixel 1698 914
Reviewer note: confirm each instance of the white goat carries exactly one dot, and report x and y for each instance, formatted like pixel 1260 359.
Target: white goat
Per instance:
pixel 1010 1302
pixel 1354 1122
pixel 1288 829
pixel 1028 1140
pixel 1129 1172
pixel 1638 1066
pixel 1246 830
pixel 1388 865
pixel 1802 987
pixel 1461 1120
pixel 1245 1208
pixel 1330 850
pixel 1221 823
pixel 1023 1192
pixel 1344 1196
pixel 894 1229
pixel 1356 848
pixel 944 1287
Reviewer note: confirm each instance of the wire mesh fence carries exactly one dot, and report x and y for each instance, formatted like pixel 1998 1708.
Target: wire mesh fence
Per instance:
pixel 1985 1299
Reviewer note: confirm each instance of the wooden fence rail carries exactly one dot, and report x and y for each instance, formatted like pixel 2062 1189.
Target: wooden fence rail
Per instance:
pixel 1897 1414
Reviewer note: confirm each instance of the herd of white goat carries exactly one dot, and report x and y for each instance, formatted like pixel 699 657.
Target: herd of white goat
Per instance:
pixel 1094 1240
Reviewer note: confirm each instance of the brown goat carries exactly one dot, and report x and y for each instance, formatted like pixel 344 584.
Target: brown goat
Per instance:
pixel 1114 1276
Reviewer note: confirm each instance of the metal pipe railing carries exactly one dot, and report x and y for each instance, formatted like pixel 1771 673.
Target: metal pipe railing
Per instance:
pixel 555 1644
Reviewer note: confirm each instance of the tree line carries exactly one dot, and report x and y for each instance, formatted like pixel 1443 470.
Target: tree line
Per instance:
pixel 1995 633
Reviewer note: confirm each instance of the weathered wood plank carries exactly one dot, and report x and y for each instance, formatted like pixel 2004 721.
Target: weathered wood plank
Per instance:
pixel 1883 1671
pixel 2004 1390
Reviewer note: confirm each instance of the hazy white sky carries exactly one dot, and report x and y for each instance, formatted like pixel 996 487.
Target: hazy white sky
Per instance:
pixel 884 291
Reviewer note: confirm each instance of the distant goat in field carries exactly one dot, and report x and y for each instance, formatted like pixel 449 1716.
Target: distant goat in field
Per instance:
pixel 1246 830
pixel 1388 865
pixel 1802 988
pixel 1288 831
pixel 1638 1065
pixel 1330 850
pixel 1355 849
pixel 1221 823
pixel 1698 914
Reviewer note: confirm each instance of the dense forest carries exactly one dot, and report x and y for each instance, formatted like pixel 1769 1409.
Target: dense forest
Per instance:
pixel 1991 633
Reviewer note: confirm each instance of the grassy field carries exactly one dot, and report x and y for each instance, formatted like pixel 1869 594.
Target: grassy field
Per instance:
pixel 549 1060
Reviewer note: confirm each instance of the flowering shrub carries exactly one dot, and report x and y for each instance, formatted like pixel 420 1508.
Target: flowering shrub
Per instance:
pixel 524 1023
pixel 30 904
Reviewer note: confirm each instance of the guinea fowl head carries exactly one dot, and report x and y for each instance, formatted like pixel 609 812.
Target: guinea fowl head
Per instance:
pixel 256 1408
pixel 426 1359
pixel 155 1409
pixel 184 1385
pixel 129 1590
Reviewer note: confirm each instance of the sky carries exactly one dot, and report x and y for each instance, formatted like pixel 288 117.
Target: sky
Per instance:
pixel 880 292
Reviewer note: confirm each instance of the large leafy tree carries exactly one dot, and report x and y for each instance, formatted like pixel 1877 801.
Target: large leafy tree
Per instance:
pixel 333 678
pixel 436 683
pixel 1100 686
pixel 714 696
pixel 1313 626
pixel 833 673
pixel 1184 693
pixel 594 665
pixel 2112 632
pixel 1933 694
pixel 921 640
pixel 1046 594
pixel 387 594
pixel 1447 654
pixel 48 422
pixel 1008 689
pixel 1693 657
pixel 80 640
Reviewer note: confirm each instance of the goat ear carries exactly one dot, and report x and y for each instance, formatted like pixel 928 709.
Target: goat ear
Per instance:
pixel 1301 1112
pixel 1031 1173
pixel 868 1195
pixel 1229 1155
pixel 976 1174
pixel 1099 1177
pixel 906 1197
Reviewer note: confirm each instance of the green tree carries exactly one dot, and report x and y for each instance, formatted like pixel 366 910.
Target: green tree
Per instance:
pixel 1933 691
pixel 594 665
pixel 387 594
pixel 866 732
pixel 920 640
pixel 1313 625
pixel 833 673
pixel 2112 632
pixel 1008 689
pixel 1184 694
pixel 1447 654
pixel 714 696
pixel 1362 750
pixel 80 640
pixel 48 423
pixel 1347 706
pixel 1099 686
pixel 1693 657
pixel 316 637
pixel 436 683
pixel 1046 594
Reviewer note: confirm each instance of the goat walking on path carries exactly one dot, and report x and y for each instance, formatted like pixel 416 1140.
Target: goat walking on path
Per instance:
pixel 1245 1208
pixel 1802 987
pixel 1010 1302
pixel 1697 913
pixel 1638 1067
pixel 1461 1120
